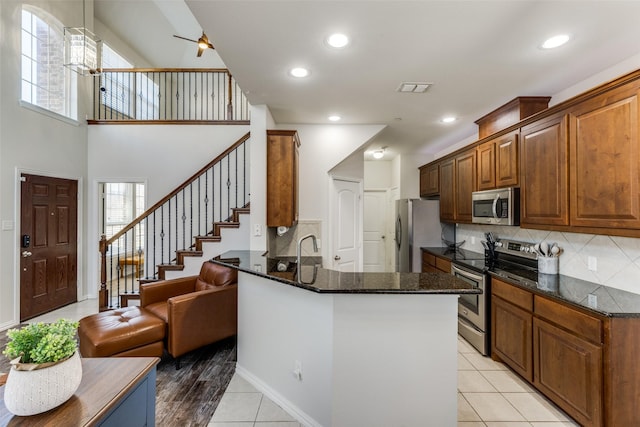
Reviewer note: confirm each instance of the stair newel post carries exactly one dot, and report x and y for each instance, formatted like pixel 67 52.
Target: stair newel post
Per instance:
pixel 230 98
pixel 103 295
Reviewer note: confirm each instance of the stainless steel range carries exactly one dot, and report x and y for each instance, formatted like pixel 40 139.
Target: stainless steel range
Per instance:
pixel 506 258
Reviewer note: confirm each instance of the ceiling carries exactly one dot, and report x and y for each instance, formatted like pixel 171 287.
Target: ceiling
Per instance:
pixel 477 54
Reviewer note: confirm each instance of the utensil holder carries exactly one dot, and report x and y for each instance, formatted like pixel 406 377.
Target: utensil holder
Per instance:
pixel 548 265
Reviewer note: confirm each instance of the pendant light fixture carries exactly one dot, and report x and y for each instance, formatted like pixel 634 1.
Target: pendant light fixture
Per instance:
pixel 82 49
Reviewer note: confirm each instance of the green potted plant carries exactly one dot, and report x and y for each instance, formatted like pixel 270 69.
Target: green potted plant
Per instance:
pixel 45 366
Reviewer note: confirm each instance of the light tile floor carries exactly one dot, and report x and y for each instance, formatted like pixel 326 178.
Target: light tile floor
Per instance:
pixel 489 395
pixel 72 312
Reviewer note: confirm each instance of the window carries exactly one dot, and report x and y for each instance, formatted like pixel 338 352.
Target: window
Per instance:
pixel 122 203
pixel 46 82
pixel 116 87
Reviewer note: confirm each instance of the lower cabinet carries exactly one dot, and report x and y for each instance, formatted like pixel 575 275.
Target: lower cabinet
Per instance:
pixel 512 338
pixel 568 369
pixel 434 264
pixel 585 363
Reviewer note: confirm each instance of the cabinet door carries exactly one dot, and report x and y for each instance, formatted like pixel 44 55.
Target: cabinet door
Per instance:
pixel 605 161
pixel 544 177
pixel 430 180
pixel 465 184
pixel 447 191
pixel 511 341
pixel 282 178
pixel 486 166
pixel 568 370
pixel 507 170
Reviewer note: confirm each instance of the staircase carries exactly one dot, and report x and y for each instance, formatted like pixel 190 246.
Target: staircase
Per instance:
pixel 198 220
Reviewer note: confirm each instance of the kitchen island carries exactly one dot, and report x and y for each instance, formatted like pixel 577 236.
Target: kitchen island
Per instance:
pixel 348 349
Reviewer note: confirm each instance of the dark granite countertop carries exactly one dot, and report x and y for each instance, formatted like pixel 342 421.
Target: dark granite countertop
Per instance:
pixel 452 255
pixel 317 279
pixel 604 300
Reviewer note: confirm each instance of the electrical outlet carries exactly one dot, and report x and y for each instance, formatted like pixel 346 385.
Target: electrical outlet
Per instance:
pixel 592 263
pixel 473 240
pixel 319 243
pixel 592 301
pixel 257 230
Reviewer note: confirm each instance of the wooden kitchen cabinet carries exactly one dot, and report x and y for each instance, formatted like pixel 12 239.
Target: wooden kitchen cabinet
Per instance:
pixel 282 177
pixel 544 177
pixel 512 327
pixel 498 162
pixel 435 264
pixel 584 362
pixel 605 160
pixel 465 184
pixel 447 191
pixel 430 180
pixel 568 370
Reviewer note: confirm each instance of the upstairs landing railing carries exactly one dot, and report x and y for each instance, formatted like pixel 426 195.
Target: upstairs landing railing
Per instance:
pixel 168 95
pixel 190 212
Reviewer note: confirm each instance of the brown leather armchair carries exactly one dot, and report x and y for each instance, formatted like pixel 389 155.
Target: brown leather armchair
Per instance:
pixel 198 310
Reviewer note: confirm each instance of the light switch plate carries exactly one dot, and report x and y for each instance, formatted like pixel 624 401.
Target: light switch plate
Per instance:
pixel 7 225
pixel 592 263
pixel 257 230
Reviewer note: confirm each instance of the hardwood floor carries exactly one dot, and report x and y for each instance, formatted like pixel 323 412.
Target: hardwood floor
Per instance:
pixel 188 396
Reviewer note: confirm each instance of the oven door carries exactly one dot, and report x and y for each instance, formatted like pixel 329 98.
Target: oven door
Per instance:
pixel 472 307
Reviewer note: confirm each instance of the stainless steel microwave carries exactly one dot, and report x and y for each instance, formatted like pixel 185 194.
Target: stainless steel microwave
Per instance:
pixel 496 207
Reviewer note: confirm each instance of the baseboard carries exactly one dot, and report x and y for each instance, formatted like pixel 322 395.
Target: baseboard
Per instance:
pixel 277 398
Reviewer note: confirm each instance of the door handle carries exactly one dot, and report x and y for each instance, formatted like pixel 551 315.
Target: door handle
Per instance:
pixel 26 254
pixel 337 258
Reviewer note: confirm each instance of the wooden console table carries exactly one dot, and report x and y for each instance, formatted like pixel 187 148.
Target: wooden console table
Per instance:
pixel 119 391
pixel 137 261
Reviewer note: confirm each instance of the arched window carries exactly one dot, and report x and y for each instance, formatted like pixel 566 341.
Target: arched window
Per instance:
pixel 46 82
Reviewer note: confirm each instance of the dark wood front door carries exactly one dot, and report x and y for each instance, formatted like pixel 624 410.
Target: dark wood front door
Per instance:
pixel 48 261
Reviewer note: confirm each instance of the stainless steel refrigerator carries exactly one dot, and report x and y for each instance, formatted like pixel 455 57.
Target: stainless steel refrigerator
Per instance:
pixel 418 225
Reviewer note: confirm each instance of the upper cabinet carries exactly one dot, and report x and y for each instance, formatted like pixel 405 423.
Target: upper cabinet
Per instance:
pixel 465 184
pixel 282 178
pixel 498 162
pixel 605 160
pixel 544 186
pixel 430 180
pixel 447 191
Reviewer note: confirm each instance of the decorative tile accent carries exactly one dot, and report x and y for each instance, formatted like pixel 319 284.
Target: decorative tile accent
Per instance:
pixel 618 258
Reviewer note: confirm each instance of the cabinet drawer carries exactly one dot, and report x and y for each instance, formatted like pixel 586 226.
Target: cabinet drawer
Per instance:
pixel 443 265
pixel 579 323
pixel 513 294
pixel 428 258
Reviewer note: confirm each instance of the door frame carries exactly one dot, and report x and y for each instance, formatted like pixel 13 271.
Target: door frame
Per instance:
pixel 80 291
pixel 332 208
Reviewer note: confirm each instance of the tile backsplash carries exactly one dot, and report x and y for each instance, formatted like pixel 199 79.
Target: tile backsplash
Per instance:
pixel 285 245
pixel 617 258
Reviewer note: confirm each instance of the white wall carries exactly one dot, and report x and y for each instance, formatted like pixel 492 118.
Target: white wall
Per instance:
pixel 377 175
pixel 261 120
pixel 35 143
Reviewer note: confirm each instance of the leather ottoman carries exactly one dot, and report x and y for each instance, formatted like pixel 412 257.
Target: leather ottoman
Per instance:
pixel 124 332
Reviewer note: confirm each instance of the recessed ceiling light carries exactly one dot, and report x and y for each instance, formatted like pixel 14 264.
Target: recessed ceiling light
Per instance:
pixel 299 72
pixel 555 41
pixel 334 118
pixel 448 119
pixel 337 40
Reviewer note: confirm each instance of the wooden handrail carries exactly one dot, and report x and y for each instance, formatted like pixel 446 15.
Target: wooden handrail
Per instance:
pixel 165 70
pixel 176 190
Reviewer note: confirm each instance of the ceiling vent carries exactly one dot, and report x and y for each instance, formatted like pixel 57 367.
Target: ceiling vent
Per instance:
pixel 413 87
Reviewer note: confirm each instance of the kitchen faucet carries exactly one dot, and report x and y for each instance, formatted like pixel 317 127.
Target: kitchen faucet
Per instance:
pixel 299 251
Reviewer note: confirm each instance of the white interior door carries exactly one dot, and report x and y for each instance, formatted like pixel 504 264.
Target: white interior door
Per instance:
pixel 374 234
pixel 347 226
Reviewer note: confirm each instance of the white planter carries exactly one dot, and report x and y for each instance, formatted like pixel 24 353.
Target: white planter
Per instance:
pixel 33 392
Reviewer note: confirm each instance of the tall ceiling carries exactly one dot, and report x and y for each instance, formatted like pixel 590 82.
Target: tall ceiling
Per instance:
pixel 477 54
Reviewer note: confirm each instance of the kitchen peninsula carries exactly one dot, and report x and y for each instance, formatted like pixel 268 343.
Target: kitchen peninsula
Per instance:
pixel 348 349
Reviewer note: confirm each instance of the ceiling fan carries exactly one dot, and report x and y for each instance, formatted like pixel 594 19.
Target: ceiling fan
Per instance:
pixel 203 43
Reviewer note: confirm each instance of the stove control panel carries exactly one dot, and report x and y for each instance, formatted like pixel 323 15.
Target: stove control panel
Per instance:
pixel 514 247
